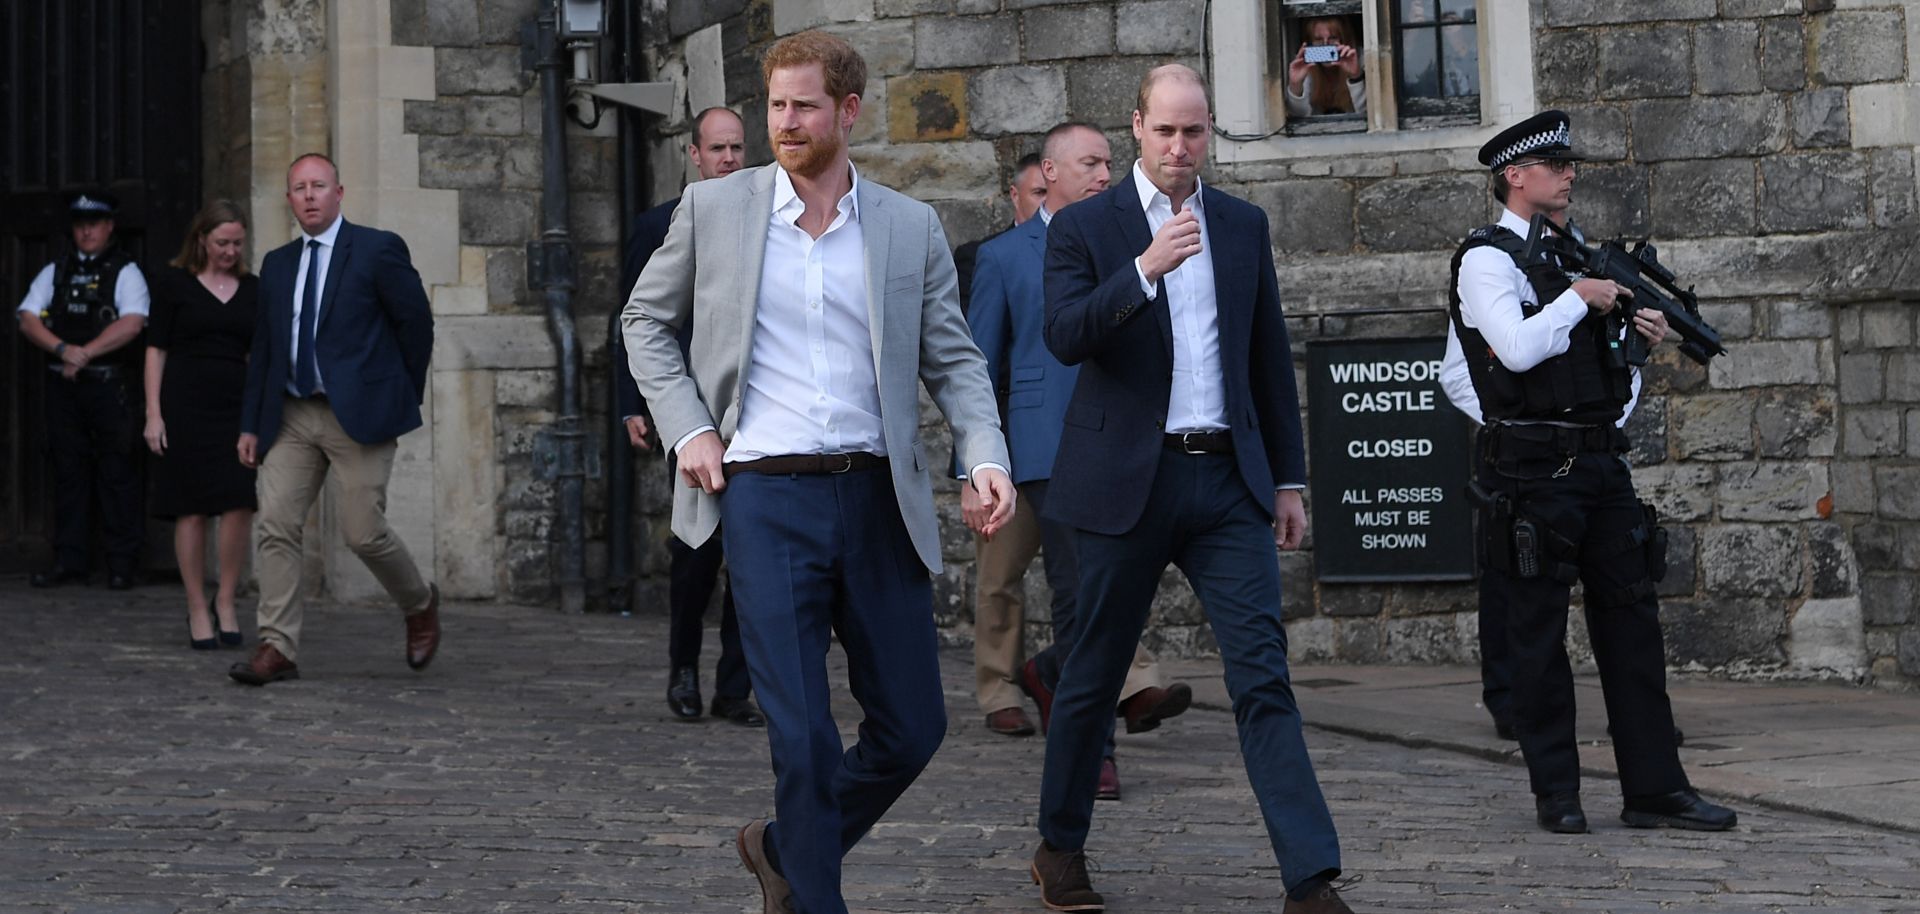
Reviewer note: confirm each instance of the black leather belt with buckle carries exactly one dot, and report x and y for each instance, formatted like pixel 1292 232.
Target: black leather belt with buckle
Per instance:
pixel 1219 442
pixel 806 464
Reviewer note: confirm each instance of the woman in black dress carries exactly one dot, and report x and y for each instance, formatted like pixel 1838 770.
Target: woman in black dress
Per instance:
pixel 198 337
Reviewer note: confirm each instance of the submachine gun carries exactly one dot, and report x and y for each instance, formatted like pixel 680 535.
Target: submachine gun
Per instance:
pixel 1638 271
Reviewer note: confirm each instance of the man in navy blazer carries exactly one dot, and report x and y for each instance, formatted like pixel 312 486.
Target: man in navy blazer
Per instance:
pixel 1006 315
pixel 337 373
pixel 1181 445
pixel 718 149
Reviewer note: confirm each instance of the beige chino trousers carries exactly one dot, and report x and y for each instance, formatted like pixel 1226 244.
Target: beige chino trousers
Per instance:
pixel 311 450
pixel 999 615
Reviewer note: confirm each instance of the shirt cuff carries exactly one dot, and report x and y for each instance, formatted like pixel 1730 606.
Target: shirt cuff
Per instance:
pixel 986 466
pixel 677 445
pixel 1290 486
pixel 1149 288
pixel 1572 304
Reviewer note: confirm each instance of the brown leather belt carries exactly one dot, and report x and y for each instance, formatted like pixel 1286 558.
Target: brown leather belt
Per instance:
pixel 806 464
pixel 1220 442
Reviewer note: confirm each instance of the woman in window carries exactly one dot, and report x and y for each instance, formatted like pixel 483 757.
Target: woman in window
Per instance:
pixel 1335 87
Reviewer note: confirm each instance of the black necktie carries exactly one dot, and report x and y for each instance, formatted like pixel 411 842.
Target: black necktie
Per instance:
pixel 306 372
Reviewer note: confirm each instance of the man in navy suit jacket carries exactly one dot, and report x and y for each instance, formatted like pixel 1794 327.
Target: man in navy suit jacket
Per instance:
pixel 718 149
pixel 1006 315
pixel 1182 445
pixel 337 373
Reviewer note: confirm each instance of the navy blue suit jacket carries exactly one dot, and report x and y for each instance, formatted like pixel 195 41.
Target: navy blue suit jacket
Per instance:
pixel 1007 314
pixel 649 232
pixel 1099 319
pixel 372 342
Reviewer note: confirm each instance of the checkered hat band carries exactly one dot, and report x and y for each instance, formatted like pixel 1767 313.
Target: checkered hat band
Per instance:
pixel 88 204
pixel 1558 136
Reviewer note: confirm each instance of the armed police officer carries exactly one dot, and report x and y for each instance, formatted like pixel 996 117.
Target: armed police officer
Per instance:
pixel 84 309
pixel 1543 349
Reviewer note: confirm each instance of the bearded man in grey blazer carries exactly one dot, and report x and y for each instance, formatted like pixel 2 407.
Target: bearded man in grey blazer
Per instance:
pixel 820 302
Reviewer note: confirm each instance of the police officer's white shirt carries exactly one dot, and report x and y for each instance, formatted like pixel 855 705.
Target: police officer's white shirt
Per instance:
pixel 1497 285
pixel 1197 402
pixel 1492 291
pixel 130 294
pixel 325 253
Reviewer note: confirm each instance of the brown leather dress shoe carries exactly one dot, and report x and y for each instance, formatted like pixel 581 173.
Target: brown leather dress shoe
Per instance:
pixel 1109 787
pixel 751 842
pixel 1010 722
pixel 1063 881
pixel 423 632
pixel 1148 707
pixel 266 665
pixel 1037 690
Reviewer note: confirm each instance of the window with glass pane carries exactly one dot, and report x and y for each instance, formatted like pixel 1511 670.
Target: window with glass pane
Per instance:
pixel 1437 56
pixel 1325 93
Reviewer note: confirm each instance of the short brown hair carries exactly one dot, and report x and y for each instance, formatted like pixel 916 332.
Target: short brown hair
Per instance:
pixel 193 257
pixel 845 70
pixel 1177 72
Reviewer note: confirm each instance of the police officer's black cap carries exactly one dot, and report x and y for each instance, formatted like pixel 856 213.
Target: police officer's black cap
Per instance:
pixel 89 205
pixel 1547 135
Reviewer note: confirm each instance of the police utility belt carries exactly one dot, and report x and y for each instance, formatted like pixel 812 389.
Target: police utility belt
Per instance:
pixel 91 372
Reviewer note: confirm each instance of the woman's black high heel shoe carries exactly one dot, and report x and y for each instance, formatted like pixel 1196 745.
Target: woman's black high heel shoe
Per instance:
pixel 228 638
pixel 202 644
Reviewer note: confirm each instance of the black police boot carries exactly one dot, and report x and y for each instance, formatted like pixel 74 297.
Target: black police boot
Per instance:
pixel 56 576
pixel 1560 813
pixel 683 693
pixel 1680 809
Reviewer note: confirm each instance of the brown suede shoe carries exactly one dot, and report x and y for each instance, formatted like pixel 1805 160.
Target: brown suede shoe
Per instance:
pixel 1148 707
pixel 1324 900
pixel 423 632
pixel 751 842
pixel 1010 722
pixel 1063 881
pixel 266 665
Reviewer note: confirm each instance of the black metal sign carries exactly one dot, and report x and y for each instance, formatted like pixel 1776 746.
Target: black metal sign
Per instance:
pixel 1389 463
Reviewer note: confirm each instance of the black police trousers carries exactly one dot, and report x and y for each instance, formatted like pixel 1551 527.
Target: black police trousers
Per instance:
pixel 1591 526
pixel 91 435
pixel 692 575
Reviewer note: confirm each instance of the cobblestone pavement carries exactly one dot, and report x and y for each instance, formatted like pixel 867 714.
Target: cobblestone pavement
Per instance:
pixel 534 769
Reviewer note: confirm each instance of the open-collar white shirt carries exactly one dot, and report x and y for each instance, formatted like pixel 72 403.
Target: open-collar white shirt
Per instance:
pixel 1197 402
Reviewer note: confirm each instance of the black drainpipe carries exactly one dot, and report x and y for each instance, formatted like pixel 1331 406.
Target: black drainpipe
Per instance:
pixel 634 180
pixel 550 268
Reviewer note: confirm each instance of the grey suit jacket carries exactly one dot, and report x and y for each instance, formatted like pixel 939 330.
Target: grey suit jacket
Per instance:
pixel 708 272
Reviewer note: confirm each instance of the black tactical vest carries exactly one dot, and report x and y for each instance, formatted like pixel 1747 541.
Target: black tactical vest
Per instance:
pixel 1589 384
pixel 83 302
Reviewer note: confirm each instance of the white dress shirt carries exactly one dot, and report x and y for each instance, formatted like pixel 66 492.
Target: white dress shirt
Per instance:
pixel 130 295
pixel 325 253
pixel 1491 291
pixel 812 388
pixel 1197 402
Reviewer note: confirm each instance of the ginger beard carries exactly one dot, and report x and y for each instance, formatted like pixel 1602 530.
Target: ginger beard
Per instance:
pixel 810 159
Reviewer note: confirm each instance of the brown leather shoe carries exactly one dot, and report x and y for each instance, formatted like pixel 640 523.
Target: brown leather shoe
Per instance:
pixel 1148 707
pixel 266 665
pixel 1037 690
pixel 1109 788
pixel 1324 900
pixel 1062 877
pixel 751 842
pixel 1010 722
pixel 423 632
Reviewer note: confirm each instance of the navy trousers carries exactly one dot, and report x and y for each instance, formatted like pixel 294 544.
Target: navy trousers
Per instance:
pixel 815 557
pixel 1201 519
pixel 692 575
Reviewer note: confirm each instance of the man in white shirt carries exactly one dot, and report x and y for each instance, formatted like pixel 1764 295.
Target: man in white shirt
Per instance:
pixel 820 304
pixel 84 309
pixel 1543 351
